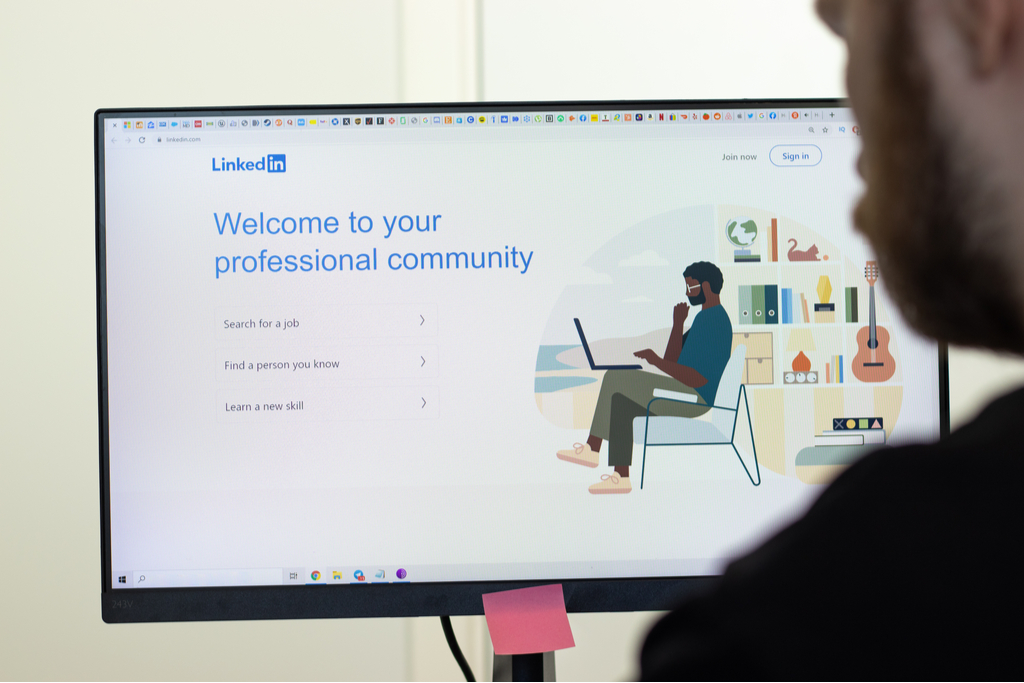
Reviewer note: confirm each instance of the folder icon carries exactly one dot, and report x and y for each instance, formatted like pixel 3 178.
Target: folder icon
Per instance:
pixel 771 304
pixel 746 316
pixel 759 312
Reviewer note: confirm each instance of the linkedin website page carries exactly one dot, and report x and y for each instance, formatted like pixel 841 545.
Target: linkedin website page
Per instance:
pixel 414 346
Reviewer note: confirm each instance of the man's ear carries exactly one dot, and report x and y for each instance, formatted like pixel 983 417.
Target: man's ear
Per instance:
pixel 987 27
pixel 706 288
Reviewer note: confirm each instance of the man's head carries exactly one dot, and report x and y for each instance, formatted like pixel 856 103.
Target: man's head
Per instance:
pixel 701 275
pixel 937 87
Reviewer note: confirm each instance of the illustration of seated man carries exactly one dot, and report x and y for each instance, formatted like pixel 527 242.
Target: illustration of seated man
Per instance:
pixel 694 362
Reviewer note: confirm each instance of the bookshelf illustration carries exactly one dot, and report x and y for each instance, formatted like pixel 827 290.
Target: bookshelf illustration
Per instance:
pixel 819 395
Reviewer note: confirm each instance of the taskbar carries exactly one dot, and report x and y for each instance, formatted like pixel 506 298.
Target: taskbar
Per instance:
pixel 389 574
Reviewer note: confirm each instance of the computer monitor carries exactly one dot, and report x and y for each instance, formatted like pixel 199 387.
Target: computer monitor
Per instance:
pixel 340 375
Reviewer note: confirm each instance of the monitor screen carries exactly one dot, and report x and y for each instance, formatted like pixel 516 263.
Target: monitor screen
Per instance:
pixel 473 345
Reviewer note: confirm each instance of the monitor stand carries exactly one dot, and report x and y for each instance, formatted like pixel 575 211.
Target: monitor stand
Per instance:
pixel 532 667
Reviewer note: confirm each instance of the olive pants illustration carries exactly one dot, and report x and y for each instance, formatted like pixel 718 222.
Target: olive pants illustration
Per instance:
pixel 624 396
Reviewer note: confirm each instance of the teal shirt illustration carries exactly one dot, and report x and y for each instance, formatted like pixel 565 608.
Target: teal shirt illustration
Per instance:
pixel 707 348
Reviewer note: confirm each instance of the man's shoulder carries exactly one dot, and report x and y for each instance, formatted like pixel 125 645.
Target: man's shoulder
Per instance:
pixel 715 317
pixel 893 561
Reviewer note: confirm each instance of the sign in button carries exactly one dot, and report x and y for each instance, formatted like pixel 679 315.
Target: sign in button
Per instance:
pixel 795 155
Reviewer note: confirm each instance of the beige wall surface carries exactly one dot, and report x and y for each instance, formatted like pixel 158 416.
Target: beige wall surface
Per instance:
pixel 59 61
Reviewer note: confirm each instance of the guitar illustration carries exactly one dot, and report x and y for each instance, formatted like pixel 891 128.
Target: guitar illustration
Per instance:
pixel 873 362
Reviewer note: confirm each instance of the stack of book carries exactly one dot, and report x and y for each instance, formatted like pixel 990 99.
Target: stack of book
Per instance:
pixel 850 437
pixel 851 305
pixel 793 309
pixel 853 431
pixel 745 256
pixel 834 370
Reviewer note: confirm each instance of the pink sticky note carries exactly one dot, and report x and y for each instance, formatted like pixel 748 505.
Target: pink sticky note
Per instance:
pixel 528 620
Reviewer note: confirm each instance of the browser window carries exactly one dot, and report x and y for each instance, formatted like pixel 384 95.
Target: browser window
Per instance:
pixel 346 346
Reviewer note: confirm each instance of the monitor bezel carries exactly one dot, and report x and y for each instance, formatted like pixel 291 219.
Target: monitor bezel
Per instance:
pixel 379 600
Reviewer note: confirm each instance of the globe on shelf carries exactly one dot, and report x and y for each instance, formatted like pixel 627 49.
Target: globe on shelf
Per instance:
pixel 741 231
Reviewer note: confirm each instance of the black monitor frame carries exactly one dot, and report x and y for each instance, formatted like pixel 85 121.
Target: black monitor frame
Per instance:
pixel 378 600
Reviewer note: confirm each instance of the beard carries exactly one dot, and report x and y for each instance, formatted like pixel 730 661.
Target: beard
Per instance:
pixel 931 212
pixel 697 300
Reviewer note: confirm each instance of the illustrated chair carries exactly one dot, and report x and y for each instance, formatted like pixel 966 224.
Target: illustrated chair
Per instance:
pixel 720 430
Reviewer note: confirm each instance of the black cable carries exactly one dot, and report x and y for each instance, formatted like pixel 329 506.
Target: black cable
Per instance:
pixel 449 635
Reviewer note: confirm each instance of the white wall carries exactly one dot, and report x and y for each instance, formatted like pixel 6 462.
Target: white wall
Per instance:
pixel 605 49
pixel 59 61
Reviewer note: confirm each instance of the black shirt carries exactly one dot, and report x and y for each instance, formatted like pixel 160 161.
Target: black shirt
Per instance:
pixel 907 566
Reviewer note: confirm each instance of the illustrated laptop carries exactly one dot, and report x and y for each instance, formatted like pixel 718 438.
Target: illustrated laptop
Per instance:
pixel 590 356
